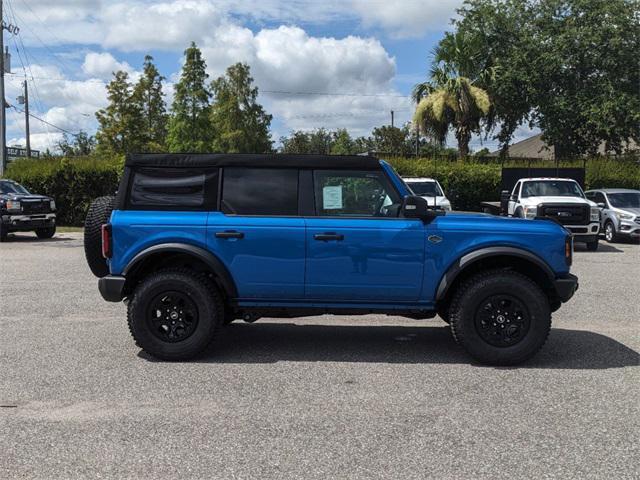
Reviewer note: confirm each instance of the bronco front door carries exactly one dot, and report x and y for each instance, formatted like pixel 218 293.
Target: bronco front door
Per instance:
pixel 358 249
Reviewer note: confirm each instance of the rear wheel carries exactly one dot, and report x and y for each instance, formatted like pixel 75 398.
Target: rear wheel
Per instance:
pixel 500 317
pixel 609 232
pixel 99 214
pixel 174 314
pixel 3 233
pixel 47 232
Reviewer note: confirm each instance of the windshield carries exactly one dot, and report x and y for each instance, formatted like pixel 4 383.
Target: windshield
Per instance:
pixel 425 189
pixel 12 187
pixel 625 200
pixel 551 188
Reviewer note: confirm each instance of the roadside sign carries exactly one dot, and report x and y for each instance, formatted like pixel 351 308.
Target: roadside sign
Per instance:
pixel 17 152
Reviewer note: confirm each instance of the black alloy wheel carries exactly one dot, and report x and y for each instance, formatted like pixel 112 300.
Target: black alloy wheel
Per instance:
pixel 502 320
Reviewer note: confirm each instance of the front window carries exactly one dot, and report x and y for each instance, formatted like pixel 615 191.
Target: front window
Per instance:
pixel 358 194
pixel 426 189
pixel 12 187
pixel 625 200
pixel 551 188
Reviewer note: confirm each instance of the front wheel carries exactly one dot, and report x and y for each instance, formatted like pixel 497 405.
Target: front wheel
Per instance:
pixel 500 317
pixel 174 314
pixel 593 246
pixel 609 232
pixel 47 232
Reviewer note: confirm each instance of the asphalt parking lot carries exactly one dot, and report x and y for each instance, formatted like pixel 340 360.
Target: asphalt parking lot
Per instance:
pixel 323 397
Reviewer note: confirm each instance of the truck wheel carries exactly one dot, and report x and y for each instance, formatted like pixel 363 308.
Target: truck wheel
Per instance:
pixel 500 317
pixel 610 232
pixel 592 246
pixel 519 213
pixel 48 232
pixel 99 213
pixel 3 233
pixel 174 314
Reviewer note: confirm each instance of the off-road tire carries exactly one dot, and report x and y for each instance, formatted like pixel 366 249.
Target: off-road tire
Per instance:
pixel 200 290
pixel 593 246
pixel 99 214
pixel 472 294
pixel 47 232
pixel 519 213
pixel 610 235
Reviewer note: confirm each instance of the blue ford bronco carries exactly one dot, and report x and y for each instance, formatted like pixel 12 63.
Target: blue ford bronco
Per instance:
pixel 192 242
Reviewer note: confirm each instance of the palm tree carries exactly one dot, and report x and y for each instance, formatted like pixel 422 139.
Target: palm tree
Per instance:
pixel 454 97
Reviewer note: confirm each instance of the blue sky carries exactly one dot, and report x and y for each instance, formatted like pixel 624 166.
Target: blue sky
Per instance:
pixel 374 49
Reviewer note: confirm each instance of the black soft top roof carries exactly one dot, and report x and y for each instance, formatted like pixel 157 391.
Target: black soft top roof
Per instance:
pixel 185 160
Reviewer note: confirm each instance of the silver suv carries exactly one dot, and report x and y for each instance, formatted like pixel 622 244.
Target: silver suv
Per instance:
pixel 620 209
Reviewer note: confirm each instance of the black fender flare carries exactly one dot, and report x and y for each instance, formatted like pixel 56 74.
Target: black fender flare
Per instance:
pixel 213 262
pixel 470 258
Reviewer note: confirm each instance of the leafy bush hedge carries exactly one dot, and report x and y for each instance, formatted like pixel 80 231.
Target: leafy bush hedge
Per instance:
pixel 74 182
pixel 467 183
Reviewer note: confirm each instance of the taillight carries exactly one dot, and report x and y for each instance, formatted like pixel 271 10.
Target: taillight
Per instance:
pixel 568 249
pixel 106 241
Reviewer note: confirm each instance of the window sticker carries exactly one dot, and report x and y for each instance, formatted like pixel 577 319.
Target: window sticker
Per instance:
pixel 332 198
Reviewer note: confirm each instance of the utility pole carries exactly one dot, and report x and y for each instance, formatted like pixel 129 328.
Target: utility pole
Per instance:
pixel 24 99
pixel 3 119
pixel 392 118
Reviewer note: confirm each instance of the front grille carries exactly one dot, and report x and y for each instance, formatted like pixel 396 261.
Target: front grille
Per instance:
pixel 637 219
pixel 31 207
pixel 566 214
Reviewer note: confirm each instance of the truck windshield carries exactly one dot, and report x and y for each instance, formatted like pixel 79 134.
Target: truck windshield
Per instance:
pixel 426 189
pixel 12 187
pixel 551 188
pixel 625 200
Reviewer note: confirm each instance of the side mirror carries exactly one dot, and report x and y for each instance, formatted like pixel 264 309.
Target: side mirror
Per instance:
pixel 601 205
pixel 414 206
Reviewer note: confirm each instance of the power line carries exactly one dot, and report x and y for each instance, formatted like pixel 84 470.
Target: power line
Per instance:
pixel 45 122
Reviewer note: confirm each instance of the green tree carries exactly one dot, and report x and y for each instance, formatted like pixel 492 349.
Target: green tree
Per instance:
pixel 392 140
pixel 454 97
pixel 342 143
pixel 240 123
pixel 119 122
pixel 147 93
pixel 296 142
pixel 189 128
pixel 586 74
pixel 320 141
pixel 499 35
pixel 77 145
pixel 455 103
pixel 567 66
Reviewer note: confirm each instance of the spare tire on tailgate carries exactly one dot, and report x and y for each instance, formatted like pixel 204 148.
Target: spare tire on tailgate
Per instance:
pixel 99 214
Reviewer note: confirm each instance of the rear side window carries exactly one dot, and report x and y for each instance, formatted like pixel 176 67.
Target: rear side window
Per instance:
pixel 172 188
pixel 260 191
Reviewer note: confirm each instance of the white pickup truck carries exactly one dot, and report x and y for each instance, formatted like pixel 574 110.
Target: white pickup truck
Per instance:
pixel 561 199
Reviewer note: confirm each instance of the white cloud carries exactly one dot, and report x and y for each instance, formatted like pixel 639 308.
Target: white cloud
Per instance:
pixel 407 18
pixel 103 65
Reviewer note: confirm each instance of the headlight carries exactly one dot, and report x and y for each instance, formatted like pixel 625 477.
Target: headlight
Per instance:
pixel 446 206
pixel 14 206
pixel 531 212
pixel 52 204
pixel 625 216
pixel 595 214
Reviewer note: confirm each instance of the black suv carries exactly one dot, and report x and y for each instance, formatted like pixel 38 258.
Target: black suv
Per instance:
pixel 22 211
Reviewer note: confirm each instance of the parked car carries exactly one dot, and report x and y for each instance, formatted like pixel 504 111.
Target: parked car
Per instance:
pixel 561 199
pixel 620 209
pixel 430 190
pixel 195 241
pixel 22 211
